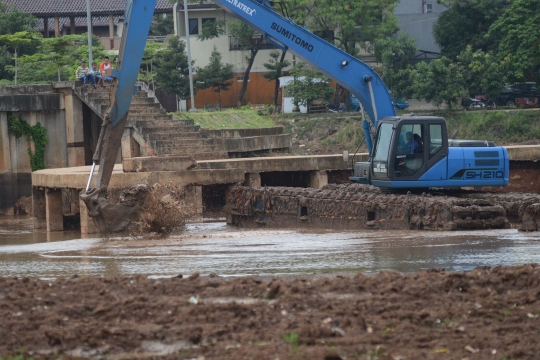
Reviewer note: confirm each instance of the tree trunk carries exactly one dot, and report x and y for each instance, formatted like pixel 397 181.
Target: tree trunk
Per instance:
pixel 16 68
pixel 58 71
pixel 276 89
pixel 242 92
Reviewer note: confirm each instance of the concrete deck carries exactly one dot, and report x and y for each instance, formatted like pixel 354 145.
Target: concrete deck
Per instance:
pixel 77 177
pixel 224 171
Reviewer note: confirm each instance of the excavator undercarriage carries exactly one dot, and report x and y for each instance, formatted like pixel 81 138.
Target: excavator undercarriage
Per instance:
pixel 356 206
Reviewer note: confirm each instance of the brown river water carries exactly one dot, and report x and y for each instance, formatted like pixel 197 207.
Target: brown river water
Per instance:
pixel 213 247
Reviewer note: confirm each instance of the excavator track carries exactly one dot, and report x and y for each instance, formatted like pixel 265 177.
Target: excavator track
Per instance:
pixel 356 206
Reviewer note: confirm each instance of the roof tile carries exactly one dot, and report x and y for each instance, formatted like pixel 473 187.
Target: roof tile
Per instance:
pixel 77 7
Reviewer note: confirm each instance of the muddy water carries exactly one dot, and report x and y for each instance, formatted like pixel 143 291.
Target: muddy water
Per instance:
pixel 217 248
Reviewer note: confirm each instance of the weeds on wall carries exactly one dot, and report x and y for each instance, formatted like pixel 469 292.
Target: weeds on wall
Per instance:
pixel 36 134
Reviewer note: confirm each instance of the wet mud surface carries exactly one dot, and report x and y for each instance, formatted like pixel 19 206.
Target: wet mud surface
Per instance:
pixel 229 251
pixel 479 314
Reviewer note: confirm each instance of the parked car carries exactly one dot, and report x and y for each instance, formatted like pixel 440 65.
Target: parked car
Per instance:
pixel 520 91
pixel 401 104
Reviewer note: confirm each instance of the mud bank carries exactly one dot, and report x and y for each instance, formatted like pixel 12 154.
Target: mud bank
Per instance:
pixel 353 206
pixel 480 314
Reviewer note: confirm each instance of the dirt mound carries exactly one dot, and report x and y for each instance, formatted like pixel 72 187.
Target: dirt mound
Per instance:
pixel 162 207
pixel 480 314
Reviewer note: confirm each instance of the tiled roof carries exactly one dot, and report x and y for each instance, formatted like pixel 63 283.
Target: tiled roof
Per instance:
pixel 204 4
pixel 78 7
pixel 79 21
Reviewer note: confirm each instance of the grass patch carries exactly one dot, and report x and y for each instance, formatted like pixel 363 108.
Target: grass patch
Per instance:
pixel 503 127
pixel 292 338
pixel 344 132
pixel 227 119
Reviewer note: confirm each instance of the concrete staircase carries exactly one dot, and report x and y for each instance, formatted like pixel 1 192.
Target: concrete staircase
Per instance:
pixel 156 130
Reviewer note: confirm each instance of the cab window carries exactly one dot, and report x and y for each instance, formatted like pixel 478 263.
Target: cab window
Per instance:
pixel 409 156
pixel 435 139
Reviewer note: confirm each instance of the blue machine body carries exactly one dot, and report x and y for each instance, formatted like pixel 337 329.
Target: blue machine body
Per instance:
pixel 415 152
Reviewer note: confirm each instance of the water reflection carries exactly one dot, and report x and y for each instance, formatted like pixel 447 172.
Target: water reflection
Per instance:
pixel 224 250
pixel 20 230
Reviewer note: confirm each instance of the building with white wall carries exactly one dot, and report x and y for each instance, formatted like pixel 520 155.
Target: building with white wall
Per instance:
pixel 259 91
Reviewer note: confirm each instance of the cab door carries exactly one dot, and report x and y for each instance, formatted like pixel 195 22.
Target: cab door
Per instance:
pixel 420 150
pixel 409 155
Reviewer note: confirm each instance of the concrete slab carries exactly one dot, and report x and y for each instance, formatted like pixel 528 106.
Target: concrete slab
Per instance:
pixel 161 163
pixel 77 177
pixel 523 152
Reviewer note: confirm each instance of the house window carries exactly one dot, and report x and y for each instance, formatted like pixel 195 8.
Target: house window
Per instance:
pixel 193 26
pixel 241 78
pixel 429 6
pixel 204 20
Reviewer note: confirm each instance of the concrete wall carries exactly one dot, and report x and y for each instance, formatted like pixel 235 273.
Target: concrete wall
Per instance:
pixel 418 7
pixel 34 104
pixel 415 20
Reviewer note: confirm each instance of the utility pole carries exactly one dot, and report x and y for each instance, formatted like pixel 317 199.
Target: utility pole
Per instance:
pixel 89 25
pixel 189 58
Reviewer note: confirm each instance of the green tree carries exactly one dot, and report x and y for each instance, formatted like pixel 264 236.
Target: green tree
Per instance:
pixel 439 81
pixel 54 53
pixel 466 23
pixel 171 66
pixel 147 73
pixel 483 73
pixel 350 25
pixel 15 41
pixel 162 25
pixel 395 55
pixel 215 75
pixel 275 67
pixel 11 22
pixel 517 34
pixel 308 85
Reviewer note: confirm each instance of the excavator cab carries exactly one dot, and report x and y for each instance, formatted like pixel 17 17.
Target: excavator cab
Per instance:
pixel 414 152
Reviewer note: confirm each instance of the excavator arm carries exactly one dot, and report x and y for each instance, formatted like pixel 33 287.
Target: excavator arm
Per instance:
pixel 353 74
pixel 137 20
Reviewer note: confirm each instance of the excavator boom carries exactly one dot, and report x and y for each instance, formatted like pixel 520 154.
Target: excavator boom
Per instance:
pixel 138 17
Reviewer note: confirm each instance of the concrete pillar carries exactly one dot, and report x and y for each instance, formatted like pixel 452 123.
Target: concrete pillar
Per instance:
pixel 111 27
pixel 198 200
pixel 56 26
pixel 130 147
pixel 46 27
pixel 318 179
pixel 54 209
pixel 72 27
pixel 87 223
pixel 38 208
pixel 252 180
pixel 6 184
pixel 74 128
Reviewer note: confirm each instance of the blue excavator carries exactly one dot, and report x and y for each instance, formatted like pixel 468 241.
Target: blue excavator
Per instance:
pixel 406 152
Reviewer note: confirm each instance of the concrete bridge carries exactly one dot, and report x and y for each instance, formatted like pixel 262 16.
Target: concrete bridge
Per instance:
pixel 210 179
pixel 72 115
